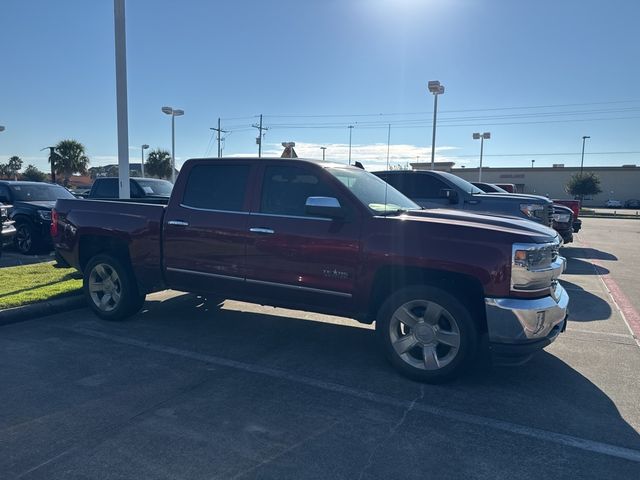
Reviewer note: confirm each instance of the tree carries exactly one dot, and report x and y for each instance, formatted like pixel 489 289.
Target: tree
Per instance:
pixel 70 159
pixel 32 174
pixel 583 184
pixel 15 164
pixel 158 163
pixel 4 171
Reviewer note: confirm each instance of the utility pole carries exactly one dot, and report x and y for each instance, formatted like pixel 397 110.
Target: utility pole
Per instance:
pixel 584 138
pixel 219 132
pixel 350 131
pixel 259 138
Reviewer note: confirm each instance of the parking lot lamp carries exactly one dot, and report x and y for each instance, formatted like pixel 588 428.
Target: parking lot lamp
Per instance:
pixel 532 162
pixel 1 128
pixel 436 89
pixel 481 137
pixel 324 149
pixel 174 113
pixel 142 149
pixel 584 138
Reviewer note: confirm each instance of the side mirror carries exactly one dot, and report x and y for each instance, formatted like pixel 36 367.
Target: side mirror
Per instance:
pixel 324 207
pixel 449 194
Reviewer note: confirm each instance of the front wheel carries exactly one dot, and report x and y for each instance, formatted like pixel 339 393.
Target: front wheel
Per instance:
pixel 110 288
pixel 427 334
pixel 26 239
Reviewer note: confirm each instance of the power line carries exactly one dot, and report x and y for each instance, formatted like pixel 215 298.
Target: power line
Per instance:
pixel 343 115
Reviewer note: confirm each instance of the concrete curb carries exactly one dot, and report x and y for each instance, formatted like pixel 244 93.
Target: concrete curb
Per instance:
pixel 33 310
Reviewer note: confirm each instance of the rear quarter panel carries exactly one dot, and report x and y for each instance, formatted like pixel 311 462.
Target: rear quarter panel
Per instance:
pixel 136 225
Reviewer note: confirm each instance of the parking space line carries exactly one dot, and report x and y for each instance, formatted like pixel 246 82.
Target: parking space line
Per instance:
pixel 628 313
pixel 454 415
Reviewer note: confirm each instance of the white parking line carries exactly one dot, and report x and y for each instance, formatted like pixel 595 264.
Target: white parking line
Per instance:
pixel 478 420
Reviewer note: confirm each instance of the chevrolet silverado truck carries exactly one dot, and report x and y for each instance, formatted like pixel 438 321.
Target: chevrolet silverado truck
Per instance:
pixel 440 285
pixel 433 189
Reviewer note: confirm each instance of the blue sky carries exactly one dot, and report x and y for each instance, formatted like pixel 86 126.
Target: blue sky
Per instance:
pixel 571 67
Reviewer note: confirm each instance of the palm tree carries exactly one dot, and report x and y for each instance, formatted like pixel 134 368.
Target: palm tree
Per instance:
pixel 70 159
pixel 15 164
pixel 158 163
pixel 4 171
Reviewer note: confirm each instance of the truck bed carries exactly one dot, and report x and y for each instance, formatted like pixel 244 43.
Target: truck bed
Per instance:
pixel 135 227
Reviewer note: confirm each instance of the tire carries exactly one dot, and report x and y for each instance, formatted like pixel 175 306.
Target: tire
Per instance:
pixel 26 239
pixel 427 334
pixel 110 288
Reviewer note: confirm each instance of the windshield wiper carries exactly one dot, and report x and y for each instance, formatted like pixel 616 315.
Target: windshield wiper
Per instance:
pixel 389 213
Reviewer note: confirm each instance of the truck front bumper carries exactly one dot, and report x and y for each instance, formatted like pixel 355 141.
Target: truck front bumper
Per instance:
pixel 520 327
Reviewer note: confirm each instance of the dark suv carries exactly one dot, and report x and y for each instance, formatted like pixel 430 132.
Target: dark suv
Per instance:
pixel 431 189
pixel 31 211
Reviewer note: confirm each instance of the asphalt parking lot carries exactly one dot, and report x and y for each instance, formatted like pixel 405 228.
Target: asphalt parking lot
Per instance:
pixel 192 390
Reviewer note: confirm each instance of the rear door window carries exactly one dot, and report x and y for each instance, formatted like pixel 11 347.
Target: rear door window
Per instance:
pixel 217 187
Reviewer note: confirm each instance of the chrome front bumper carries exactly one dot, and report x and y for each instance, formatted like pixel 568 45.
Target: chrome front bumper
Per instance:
pixel 521 326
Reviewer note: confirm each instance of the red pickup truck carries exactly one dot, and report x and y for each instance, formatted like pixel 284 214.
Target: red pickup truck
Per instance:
pixel 331 239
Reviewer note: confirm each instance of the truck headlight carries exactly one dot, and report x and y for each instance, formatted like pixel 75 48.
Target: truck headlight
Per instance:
pixel 561 217
pixel 45 215
pixel 530 209
pixel 535 267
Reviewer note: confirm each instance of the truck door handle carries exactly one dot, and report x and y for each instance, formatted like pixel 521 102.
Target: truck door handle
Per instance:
pixel 178 223
pixel 265 231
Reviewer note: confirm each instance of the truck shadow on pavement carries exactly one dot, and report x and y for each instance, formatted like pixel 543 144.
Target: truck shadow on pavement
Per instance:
pixel 587 253
pixel 576 266
pixel 546 393
pixel 584 306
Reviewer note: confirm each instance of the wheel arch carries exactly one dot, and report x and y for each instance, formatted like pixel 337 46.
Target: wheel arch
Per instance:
pixel 465 288
pixel 92 245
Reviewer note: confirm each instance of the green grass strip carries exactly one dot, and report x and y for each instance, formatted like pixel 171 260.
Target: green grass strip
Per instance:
pixel 36 283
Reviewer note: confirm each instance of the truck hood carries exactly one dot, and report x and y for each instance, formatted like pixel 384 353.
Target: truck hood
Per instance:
pixel 35 205
pixel 515 197
pixel 514 224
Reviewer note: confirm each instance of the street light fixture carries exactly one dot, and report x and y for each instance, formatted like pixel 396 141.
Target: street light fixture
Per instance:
pixel 481 137
pixel 323 151
pixel 532 162
pixel 436 89
pixel 174 112
pixel 584 138
pixel 142 149
pixel 1 128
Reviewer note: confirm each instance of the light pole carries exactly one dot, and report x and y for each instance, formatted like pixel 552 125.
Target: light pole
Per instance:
pixel 584 138
pixel 142 149
pixel 481 137
pixel 324 149
pixel 437 89
pixel 174 113
pixel 350 131
pixel 532 162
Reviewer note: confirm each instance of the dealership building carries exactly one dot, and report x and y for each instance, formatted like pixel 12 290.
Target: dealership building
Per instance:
pixel 618 183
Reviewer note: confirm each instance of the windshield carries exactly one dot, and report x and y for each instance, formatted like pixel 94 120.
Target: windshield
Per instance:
pixel 461 183
pixel 160 188
pixel 375 193
pixel 39 193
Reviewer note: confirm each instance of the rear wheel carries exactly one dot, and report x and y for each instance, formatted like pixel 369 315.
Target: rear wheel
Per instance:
pixel 110 288
pixel 427 334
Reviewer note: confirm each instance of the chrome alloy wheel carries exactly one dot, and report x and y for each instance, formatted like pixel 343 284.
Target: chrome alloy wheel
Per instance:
pixel 424 335
pixel 105 287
